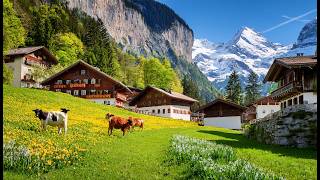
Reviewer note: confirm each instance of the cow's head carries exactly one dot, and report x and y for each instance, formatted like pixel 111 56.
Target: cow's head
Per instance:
pixel 109 115
pixel 130 122
pixel 37 112
pixel 64 110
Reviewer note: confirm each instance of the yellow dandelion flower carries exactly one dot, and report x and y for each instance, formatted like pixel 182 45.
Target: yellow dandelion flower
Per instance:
pixel 49 162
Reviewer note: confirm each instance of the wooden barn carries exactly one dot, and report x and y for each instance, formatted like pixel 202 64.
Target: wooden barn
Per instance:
pixel 222 113
pixel 85 81
pixel 163 103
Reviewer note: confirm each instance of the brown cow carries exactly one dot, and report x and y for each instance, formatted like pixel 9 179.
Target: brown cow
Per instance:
pixel 118 123
pixel 136 122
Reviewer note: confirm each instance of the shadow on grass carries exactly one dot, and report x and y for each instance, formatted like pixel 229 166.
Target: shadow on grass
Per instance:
pixel 240 141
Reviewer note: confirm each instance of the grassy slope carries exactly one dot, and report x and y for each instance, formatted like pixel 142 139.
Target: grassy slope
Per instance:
pixel 139 155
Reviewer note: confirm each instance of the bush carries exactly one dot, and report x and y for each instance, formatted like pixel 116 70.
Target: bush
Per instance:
pixel 209 160
pixel 249 130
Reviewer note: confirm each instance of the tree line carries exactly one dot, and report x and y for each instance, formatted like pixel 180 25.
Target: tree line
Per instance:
pixel 72 35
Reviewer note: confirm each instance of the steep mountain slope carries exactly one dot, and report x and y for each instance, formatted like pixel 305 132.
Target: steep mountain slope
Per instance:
pixel 137 25
pixel 247 51
pixel 149 28
pixel 307 40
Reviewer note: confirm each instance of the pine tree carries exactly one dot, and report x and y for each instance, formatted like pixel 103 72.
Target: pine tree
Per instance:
pixel 252 89
pixel 233 88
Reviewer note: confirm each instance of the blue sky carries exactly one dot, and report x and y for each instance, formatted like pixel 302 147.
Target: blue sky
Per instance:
pixel 219 20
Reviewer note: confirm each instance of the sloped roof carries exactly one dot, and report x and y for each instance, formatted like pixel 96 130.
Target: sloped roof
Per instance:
pixel 28 50
pixel 289 63
pixel 174 95
pixel 45 82
pixel 222 101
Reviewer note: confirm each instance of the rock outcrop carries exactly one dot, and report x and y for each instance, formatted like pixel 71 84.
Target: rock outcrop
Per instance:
pixel 127 23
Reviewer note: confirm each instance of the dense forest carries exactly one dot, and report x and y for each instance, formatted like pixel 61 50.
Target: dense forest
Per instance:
pixel 72 35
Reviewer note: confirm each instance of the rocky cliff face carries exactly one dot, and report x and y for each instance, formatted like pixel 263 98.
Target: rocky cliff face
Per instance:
pixel 127 23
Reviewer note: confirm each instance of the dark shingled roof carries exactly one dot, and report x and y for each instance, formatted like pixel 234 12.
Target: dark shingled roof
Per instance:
pixel 45 82
pixel 290 62
pixel 28 50
pixel 174 95
pixel 222 101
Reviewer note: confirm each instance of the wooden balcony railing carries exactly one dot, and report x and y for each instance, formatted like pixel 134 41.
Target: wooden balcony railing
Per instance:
pixel 97 96
pixel 75 85
pixel 121 97
pixel 289 87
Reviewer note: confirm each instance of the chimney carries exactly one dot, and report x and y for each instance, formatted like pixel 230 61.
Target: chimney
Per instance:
pixel 299 54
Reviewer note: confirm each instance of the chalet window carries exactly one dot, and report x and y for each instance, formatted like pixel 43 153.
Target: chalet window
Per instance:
pixel 295 101
pixel 58 90
pixel 85 81
pixel 169 110
pixel 83 92
pixel 158 111
pixel 284 104
pixel 68 81
pixel 93 91
pixel 59 82
pixel 93 81
pixel 163 111
pixel 290 102
pixel 153 111
pixel 301 99
pixel 107 102
pixel 69 91
pixel 83 72
pixel 76 92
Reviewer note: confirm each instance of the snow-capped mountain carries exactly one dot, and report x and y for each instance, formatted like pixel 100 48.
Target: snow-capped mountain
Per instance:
pixel 247 51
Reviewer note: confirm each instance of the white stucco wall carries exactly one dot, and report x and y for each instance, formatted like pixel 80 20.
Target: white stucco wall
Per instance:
pixel 21 69
pixel 308 97
pixel 230 122
pixel 263 110
pixel 16 66
pixel 166 114
pixel 101 101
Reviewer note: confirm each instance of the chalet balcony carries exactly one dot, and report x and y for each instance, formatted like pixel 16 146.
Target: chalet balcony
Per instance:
pixel 121 97
pixel 97 96
pixel 75 85
pixel 289 89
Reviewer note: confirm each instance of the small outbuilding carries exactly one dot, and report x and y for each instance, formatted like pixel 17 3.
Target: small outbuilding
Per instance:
pixel 222 113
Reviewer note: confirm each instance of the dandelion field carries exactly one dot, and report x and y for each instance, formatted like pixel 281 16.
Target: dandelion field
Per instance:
pixel 87 152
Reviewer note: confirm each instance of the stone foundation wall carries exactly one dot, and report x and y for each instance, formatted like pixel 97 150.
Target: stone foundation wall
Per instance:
pixel 295 126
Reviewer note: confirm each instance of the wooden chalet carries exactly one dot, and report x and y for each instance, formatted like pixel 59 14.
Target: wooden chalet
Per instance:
pixel 85 81
pixel 296 78
pixel 163 103
pixel 260 108
pixel 222 113
pixel 22 61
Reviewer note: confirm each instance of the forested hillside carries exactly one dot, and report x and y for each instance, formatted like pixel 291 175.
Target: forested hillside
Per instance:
pixel 71 35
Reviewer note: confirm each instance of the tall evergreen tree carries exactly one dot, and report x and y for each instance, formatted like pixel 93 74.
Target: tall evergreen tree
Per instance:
pixel 252 89
pixel 233 88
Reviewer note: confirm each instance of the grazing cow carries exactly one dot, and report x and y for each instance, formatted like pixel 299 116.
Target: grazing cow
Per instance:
pixel 53 118
pixel 136 122
pixel 118 123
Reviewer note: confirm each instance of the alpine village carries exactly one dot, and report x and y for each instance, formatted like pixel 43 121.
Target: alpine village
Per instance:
pixel 122 89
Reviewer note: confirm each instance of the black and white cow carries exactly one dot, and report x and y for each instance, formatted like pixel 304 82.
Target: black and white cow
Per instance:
pixel 53 118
